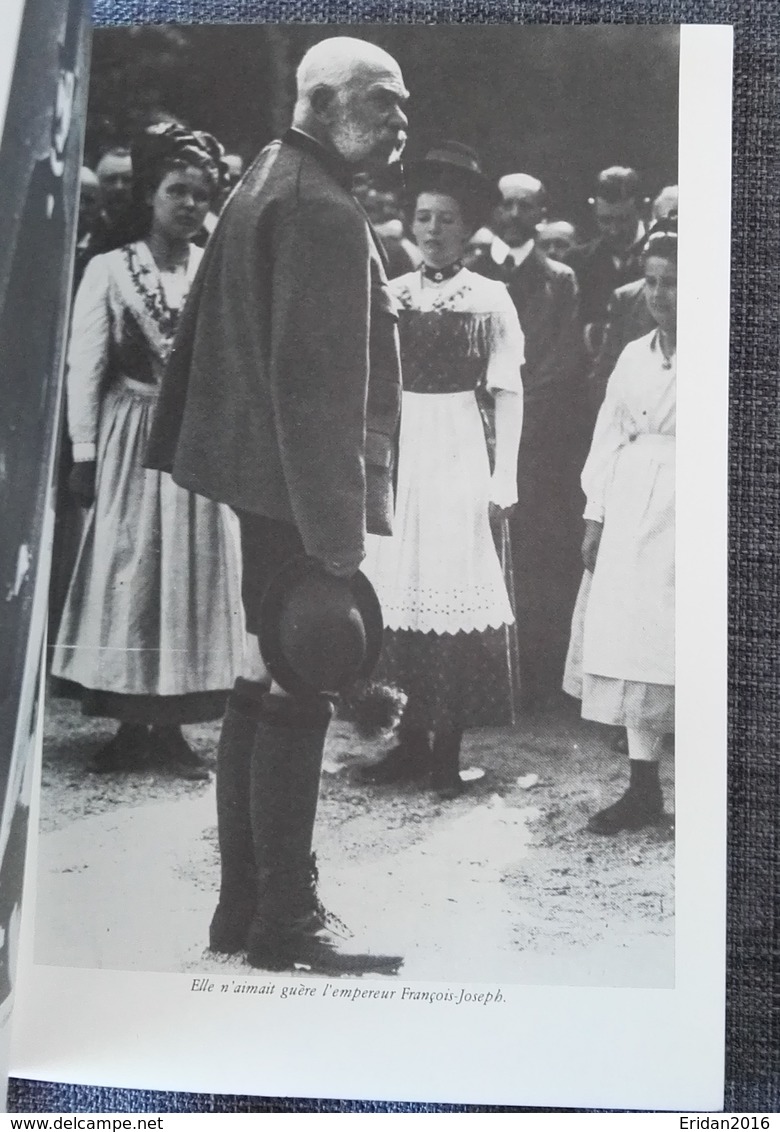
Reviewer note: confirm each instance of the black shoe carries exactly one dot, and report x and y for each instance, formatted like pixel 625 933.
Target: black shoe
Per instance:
pixel 445 777
pixel 291 928
pixel 447 791
pixel 451 785
pixel 407 762
pixel 125 751
pixel 635 810
pixel 173 752
pixel 308 943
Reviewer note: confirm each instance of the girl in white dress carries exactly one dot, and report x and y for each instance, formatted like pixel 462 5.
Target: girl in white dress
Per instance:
pixel 621 656
pixel 439 578
pixel 153 628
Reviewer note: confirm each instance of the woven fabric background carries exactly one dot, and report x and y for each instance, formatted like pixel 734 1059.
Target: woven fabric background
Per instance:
pixel 753 1021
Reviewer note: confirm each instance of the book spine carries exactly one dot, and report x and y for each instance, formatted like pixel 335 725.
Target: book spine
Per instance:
pixel 44 55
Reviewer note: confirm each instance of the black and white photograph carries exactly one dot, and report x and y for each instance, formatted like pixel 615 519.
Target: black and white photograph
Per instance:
pixel 339 637
pixel 361 658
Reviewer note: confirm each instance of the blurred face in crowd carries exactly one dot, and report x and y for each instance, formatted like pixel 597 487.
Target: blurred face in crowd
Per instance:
pixel 439 229
pixel 234 172
pixel 381 206
pixel 661 291
pixel 477 247
pixel 115 176
pixel 617 223
pixel 235 167
pixel 556 238
pixel 180 203
pixel 519 213
pixel 365 116
pixel 89 202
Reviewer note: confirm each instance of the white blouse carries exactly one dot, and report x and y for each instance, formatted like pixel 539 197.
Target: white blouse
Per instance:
pixel 489 301
pixel 640 400
pixel 124 305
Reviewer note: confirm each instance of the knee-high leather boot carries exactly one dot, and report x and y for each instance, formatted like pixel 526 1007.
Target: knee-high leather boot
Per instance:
pixel 290 926
pixel 238 887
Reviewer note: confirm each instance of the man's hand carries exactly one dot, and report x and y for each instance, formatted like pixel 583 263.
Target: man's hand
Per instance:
pixel 344 568
pixel 81 482
pixel 591 542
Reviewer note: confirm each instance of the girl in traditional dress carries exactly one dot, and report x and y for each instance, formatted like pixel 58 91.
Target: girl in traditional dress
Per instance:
pixel 439 579
pixel 621 656
pixel 152 628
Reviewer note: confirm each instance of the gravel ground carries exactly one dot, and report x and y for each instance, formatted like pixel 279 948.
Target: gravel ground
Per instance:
pixel 502 883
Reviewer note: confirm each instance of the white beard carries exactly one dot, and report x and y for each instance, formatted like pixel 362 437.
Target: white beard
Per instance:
pixel 352 143
pixel 356 145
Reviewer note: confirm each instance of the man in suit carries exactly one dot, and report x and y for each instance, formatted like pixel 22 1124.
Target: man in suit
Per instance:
pixel 282 399
pixel 546 523
pixel 627 319
pixel 612 259
pixel 628 316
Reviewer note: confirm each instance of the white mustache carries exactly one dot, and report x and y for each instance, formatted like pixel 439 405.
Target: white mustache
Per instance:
pixel 399 145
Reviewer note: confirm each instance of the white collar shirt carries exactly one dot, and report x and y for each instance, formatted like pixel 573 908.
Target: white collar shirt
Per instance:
pixel 501 251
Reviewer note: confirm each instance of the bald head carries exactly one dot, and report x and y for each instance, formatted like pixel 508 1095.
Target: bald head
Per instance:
pixel 521 208
pixel 520 186
pixel 350 98
pixel 338 61
pixel 666 204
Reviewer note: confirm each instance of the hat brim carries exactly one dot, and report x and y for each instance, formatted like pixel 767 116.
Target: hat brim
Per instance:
pixel 443 176
pixel 295 571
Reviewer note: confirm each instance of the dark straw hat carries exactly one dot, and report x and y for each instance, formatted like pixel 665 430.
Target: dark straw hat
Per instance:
pixel 454 169
pixel 319 634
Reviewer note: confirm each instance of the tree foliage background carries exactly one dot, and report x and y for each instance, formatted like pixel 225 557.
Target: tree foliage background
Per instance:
pixel 558 102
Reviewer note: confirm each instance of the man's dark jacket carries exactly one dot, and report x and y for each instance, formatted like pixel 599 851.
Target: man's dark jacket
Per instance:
pixel 598 276
pixel 546 524
pixel 545 295
pixel 282 394
pixel 627 319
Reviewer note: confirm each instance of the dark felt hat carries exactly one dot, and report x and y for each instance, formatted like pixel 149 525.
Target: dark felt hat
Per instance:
pixel 319 634
pixel 455 169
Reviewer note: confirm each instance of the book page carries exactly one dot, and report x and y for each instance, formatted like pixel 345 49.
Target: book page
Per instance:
pixel 533 877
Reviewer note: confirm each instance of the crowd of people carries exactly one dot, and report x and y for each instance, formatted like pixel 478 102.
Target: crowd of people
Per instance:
pixel 441 389
pixel 579 306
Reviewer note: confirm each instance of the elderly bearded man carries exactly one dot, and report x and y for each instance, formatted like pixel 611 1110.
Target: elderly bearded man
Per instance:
pixel 282 399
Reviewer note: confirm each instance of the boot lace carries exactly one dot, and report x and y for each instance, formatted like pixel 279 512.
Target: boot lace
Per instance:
pixel 328 919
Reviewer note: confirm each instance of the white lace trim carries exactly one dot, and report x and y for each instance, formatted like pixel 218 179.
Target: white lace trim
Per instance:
pixel 453 611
